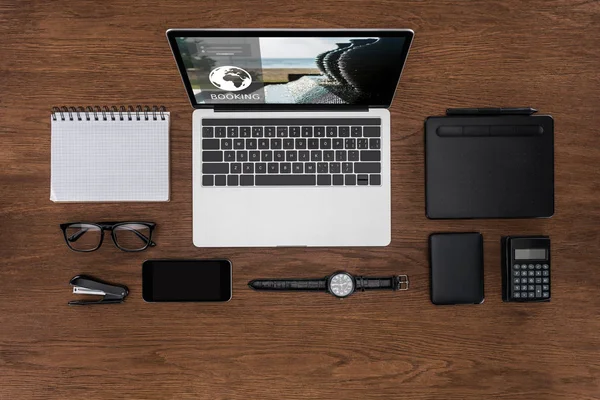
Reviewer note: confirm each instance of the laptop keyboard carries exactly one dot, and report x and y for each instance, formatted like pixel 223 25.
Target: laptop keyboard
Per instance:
pixel 291 152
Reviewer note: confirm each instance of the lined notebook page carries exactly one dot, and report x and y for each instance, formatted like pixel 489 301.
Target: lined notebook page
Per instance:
pixel 101 161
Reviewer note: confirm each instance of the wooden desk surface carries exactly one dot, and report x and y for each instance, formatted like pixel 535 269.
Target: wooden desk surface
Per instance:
pixel 295 346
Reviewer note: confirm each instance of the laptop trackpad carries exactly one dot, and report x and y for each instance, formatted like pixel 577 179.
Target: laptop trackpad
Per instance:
pixel 292 216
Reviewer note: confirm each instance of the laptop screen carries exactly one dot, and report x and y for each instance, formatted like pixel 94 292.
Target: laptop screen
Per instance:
pixel 337 70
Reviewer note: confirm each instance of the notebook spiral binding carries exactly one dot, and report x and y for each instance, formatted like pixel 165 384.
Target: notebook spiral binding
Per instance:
pixel 105 113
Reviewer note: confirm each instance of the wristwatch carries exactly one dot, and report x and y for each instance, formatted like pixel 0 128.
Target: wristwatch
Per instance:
pixel 340 284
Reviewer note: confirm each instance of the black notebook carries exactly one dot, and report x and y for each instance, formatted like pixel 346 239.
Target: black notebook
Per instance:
pixel 489 166
pixel 456 261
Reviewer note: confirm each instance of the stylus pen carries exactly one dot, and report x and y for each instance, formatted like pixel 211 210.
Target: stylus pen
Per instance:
pixel 491 111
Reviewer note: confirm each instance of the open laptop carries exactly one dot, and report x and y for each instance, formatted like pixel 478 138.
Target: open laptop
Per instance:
pixel 291 134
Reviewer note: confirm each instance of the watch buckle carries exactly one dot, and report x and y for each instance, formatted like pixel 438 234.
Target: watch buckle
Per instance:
pixel 402 282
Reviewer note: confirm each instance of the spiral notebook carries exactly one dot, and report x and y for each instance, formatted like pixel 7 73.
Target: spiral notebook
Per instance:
pixel 109 154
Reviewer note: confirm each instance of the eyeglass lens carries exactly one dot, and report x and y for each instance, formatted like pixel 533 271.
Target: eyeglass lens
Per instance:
pixel 83 237
pixel 132 236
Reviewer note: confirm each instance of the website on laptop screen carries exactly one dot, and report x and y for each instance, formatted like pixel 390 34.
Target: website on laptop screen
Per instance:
pixel 292 70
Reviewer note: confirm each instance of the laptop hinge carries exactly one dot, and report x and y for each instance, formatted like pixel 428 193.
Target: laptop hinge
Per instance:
pixel 286 108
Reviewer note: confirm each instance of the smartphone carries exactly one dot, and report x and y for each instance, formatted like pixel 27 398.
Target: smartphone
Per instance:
pixel 186 280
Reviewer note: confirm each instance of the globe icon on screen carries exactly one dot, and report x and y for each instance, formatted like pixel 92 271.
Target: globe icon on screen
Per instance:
pixel 230 78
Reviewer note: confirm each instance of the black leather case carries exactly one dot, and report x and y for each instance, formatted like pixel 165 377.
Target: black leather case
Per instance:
pixel 489 166
pixel 456 261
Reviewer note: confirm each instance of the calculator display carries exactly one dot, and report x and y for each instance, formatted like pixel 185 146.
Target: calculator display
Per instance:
pixel 530 254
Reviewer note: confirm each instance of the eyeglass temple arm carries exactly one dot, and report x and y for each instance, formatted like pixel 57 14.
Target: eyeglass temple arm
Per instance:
pixel 74 237
pixel 77 235
pixel 139 234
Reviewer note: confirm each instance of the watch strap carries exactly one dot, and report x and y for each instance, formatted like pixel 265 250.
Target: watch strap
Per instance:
pixel 289 284
pixel 396 282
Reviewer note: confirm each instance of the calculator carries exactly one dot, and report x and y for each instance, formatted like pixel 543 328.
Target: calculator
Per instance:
pixel 526 268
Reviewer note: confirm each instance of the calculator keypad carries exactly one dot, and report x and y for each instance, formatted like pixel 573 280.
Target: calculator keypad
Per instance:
pixel 530 282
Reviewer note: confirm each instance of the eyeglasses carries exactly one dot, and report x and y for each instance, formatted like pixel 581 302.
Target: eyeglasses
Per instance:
pixel 127 236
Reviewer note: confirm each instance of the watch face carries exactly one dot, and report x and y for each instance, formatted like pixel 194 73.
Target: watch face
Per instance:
pixel 341 285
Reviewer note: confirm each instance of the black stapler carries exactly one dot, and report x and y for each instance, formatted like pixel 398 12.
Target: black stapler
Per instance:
pixel 87 285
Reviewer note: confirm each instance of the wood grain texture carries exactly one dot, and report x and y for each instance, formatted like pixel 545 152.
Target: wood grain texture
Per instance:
pixel 280 346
